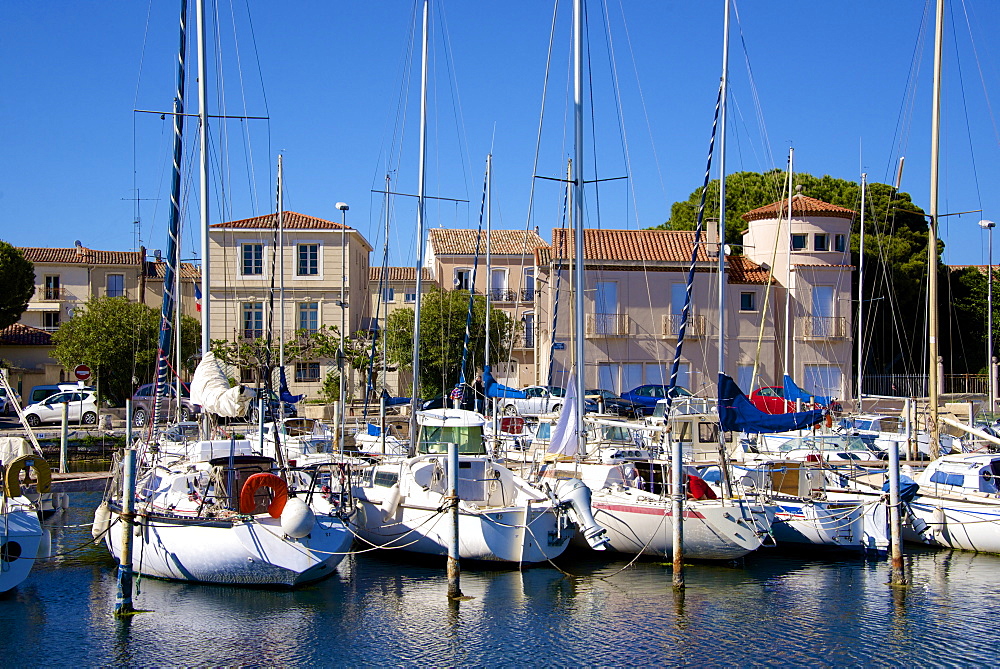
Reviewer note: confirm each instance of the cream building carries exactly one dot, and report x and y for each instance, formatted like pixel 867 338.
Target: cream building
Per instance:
pixel 326 279
pixel 505 269
pixel 389 289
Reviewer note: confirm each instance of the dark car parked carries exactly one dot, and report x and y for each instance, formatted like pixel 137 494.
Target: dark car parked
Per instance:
pixel 647 396
pixel 272 408
pixel 144 398
pixel 608 402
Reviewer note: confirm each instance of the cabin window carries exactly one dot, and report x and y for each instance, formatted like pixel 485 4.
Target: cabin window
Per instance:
pixel 308 260
pixel 840 243
pixel 748 301
pixel 252 256
pixel 799 242
pixel 307 372
pixel 253 320
pixel 309 316
pixel 385 479
pixel 468 439
pixel 821 242
pixel 115 285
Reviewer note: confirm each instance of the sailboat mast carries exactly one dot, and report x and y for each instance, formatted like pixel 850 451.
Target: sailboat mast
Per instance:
pixel 578 266
pixel 932 237
pixel 861 287
pixel 489 258
pixel 788 284
pixel 281 271
pixel 415 401
pixel 168 308
pixel 206 307
pixel 722 191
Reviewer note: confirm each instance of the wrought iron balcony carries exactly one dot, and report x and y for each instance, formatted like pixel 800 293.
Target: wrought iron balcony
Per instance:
pixel 607 325
pixel 697 326
pixel 822 327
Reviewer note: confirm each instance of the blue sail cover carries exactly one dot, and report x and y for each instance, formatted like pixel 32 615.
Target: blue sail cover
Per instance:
pixel 737 414
pixel 494 389
pixel 286 396
pixel 793 393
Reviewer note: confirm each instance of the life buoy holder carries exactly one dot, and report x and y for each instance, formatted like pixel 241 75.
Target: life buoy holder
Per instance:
pixel 279 492
pixel 29 464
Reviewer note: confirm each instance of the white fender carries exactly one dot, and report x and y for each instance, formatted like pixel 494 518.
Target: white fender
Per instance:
pixel 64 500
pixel 45 545
pixel 297 519
pixel 102 520
pixel 389 504
pixel 577 494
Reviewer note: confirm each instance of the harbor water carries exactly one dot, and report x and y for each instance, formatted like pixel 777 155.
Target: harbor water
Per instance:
pixel 769 609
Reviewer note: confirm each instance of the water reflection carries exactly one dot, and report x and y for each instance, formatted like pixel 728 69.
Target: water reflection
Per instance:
pixel 769 609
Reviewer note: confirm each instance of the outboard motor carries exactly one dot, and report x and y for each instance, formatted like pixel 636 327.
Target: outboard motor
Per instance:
pixel 576 496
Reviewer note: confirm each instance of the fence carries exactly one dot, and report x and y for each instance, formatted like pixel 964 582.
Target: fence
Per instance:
pixel 915 385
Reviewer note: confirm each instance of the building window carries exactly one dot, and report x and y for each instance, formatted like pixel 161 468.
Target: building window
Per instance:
pixel 748 301
pixel 409 297
pixel 308 264
pixel 799 242
pixel 821 242
pixel 528 289
pixel 840 243
pixel 248 375
pixel 529 329
pixel 389 294
pixel 116 285
pixel 307 371
pixel 52 291
pixel 50 320
pixel 463 279
pixel 309 316
pixel 252 259
pixel 253 320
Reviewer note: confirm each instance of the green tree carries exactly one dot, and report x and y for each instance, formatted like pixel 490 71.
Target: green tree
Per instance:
pixel 17 276
pixel 443 315
pixel 896 236
pixel 118 339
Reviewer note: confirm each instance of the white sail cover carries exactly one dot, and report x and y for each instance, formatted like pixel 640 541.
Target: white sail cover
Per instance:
pixel 564 435
pixel 210 388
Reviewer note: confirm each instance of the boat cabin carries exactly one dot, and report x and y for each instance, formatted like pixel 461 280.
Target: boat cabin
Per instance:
pixel 963 473
pixel 440 427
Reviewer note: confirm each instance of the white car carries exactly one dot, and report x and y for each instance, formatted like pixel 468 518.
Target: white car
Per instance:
pixel 538 400
pixel 82 408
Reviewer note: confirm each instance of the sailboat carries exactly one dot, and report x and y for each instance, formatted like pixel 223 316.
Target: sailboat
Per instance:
pixel 21 531
pixel 210 510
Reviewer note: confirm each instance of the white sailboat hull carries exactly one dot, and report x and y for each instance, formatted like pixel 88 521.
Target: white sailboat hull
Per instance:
pixel 515 534
pixel 952 523
pixel 638 523
pixel 254 552
pixel 850 523
pixel 20 537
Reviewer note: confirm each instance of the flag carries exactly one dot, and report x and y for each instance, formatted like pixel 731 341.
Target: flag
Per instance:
pixel 197 297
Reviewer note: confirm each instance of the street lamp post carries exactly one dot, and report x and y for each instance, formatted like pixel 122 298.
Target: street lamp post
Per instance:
pixel 342 206
pixel 988 226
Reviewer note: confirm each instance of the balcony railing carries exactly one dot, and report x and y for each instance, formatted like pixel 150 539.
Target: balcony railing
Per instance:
pixel 822 327
pixel 52 294
pixel 527 294
pixel 502 295
pixel 607 325
pixel 524 339
pixel 697 326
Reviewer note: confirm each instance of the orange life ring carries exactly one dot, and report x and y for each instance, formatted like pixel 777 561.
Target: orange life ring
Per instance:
pixel 279 490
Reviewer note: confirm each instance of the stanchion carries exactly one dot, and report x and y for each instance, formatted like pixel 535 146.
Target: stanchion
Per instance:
pixel 64 440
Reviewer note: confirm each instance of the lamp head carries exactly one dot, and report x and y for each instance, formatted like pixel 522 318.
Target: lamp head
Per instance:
pixel 342 206
pixel 987 225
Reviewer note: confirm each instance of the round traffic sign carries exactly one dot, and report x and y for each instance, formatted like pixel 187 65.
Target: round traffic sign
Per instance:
pixel 81 372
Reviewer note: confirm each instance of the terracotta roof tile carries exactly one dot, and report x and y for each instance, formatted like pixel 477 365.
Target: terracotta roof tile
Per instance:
pixel 742 270
pixel 801 206
pixel 293 221
pixel 445 241
pixel 398 274
pixel 19 334
pixel 543 256
pixel 81 255
pixel 156 270
pixel 629 245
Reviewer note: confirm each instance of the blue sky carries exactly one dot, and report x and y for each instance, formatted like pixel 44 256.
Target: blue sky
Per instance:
pixel 845 83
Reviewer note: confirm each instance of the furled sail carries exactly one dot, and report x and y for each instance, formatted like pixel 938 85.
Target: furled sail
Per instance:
pixel 793 393
pixel 564 435
pixel 736 413
pixel 494 389
pixel 210 388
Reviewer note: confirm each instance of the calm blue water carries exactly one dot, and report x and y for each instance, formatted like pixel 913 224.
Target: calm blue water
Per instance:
pixel 770 610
